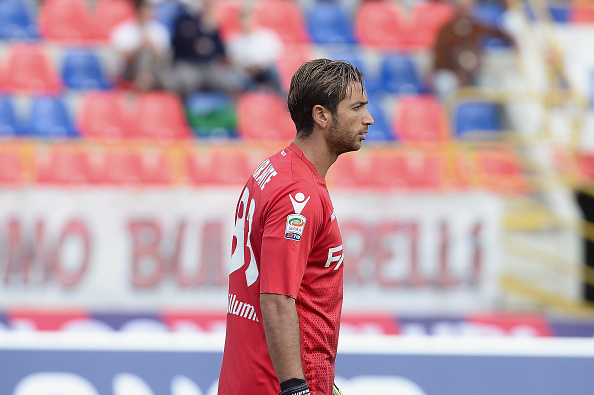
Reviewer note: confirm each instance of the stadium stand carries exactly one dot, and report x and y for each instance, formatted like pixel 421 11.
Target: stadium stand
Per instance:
pixel 17 21
pixel 30 70
pixel 412 146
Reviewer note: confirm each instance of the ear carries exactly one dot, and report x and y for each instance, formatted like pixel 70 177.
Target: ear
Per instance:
pixel 321 116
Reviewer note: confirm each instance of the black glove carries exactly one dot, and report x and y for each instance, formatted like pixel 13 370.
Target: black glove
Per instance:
pixel 294 387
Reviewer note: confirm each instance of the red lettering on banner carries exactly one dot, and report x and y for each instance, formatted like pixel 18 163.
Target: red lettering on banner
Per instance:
pixel 388 254
pixel 152 263
pixel 353 236
pixel 75 229
pixel 33 259
pixel 148 265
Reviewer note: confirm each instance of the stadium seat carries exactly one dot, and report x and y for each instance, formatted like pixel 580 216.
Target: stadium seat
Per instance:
pixel 160 115
pixel 167 12
pixel 30 71
pixel 399 74
pixel 477 117
pixel 329 23
pixel 380 25
pixel 352 172
pixel 380 130
pixel 9 121
pixel 103 115
pixel 135 169
pixel 582 13
pixel 264 117
pixel 17 21
pixel 500 171
pixel 355 56
pixel 63 166
pixel 284 17
pixel 82 69
pixel 227 13
pixel 108 14
pixel 425 21
pixel 12 172
pixel 293 56
pixel 218 167
pixel 419 119
pixel 489 13
pixel 212 114
pixel 66 21
pixel 49 118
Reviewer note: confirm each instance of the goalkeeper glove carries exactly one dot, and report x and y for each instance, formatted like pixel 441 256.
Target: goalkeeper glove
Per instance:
pixel 294 387
pixel 335 390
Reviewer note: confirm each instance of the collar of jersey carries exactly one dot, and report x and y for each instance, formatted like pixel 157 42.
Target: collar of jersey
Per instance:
pixel 301 156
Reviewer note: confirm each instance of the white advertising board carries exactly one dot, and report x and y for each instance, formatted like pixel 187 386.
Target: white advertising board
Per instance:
pixel 99 248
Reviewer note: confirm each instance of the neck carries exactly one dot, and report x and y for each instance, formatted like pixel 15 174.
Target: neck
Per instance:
pixel 317 152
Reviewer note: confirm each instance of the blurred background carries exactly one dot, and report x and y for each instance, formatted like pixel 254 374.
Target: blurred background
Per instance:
pixel 127 131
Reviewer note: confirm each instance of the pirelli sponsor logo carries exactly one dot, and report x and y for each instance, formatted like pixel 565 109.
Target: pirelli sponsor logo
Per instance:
pixel 241 309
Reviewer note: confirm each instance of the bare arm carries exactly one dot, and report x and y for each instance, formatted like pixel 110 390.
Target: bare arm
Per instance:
pixel 281 325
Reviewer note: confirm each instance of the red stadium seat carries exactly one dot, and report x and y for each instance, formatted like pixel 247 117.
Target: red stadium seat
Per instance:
pixel 581 13
pixel 426 20
pixel 380 25
pixel 135 169
pixel 66 21
pixel 419 119
pixel 30 71
pixel 387 170
pixel 500 170
pixel 103 115
pixel 12 172
pixel 160 115
pixel 64 166
pixel 264 117
pixel 108 14
pixel 293 56
pixel 284 17
pixel 218 167
pixel 227 13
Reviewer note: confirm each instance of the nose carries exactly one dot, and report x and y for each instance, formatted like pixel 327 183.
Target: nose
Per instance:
pixel 368 120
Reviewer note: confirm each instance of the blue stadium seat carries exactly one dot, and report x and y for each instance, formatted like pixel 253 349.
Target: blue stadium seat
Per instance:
pixel 355 56
pixel 380 130
pixel 329 23
pixel 49 118
pixel 399 75
pixel 81 69
pixel 16 21
pixel 167 12
pixel 477 117
pixel 9 122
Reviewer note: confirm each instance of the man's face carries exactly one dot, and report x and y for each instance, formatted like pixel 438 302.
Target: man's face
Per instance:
pixel 349 124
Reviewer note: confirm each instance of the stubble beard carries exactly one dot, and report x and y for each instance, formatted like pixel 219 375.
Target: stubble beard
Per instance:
pixel 341 141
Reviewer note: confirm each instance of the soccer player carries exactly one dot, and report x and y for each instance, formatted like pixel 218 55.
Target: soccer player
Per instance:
pixel 286 270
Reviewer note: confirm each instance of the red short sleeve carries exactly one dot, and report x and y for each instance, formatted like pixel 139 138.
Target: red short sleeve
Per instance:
pixel 290 227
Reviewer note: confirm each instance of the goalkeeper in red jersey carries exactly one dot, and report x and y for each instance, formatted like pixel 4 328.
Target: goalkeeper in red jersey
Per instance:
pixel 286 270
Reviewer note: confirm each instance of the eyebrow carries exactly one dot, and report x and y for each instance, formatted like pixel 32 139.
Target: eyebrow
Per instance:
pixel 360 103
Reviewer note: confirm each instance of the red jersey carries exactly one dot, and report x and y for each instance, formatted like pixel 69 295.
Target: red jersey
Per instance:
pixel 286 241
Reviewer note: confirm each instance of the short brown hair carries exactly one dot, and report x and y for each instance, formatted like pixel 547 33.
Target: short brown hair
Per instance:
pixel 320 81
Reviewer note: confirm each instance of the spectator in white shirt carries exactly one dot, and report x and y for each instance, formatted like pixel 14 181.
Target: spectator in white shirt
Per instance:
pixel 143 45
pixel 254 52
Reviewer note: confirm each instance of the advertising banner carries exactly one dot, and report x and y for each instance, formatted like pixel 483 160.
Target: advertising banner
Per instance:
pixel 190 365
pixel 137 249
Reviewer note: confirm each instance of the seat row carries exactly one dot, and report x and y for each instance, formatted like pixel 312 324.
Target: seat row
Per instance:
pixel 258 116
pixel 29 68
pixel 420 170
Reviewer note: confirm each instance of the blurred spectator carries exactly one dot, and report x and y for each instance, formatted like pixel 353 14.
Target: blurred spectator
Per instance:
pixel 199 57
pixel 458 50
pixel 143 45
pixel 254 52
